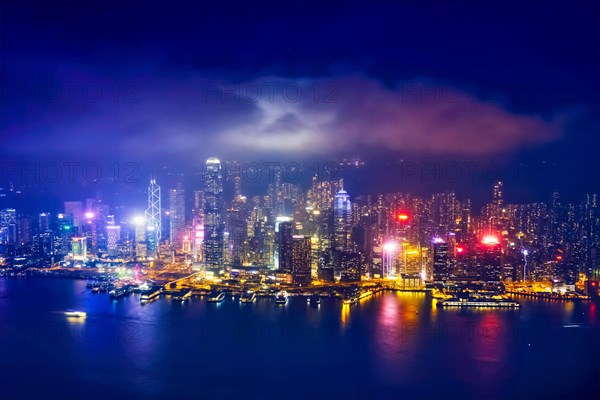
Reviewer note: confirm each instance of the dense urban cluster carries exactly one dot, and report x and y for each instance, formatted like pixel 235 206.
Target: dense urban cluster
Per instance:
pixel 322 233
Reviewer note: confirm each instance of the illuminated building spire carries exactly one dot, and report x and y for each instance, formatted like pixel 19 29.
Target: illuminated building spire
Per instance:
pixel 153 212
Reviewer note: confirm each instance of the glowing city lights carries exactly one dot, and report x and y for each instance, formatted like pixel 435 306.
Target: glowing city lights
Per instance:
pixel 490 239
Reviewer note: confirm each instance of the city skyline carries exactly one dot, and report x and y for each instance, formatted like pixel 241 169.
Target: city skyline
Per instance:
pixel 300 200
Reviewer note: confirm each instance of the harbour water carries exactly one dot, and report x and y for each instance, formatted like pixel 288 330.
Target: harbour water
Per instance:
pixel 388 346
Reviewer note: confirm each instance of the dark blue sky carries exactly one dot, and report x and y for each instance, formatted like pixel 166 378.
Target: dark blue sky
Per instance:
pixel 526 72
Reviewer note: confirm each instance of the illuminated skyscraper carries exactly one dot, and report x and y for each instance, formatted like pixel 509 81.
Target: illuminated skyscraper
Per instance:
pixel 441 261
pixel 491 259
pixel 213 215
pixel 8 226
pixel 285 239
pixel 153 212
pixel 342 223
pixel 301 260
pixel 113 234
pixel 75 209
pixel 176 214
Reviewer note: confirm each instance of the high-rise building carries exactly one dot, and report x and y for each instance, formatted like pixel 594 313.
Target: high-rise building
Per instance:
pixel 153 212
pixel 213 215
pixel 301 259
pixel 75 209
pixel 491 259
pixel 342 221
pixel 285 237
pixel 176 215
pixel 441 261
pixel 8 226
pixel 113 235
pixel 44 222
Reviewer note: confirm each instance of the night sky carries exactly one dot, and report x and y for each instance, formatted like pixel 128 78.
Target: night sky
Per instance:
pixel 516 82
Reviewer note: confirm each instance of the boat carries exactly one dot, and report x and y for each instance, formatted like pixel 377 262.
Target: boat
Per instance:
pixel 485 302
pixel 182 295
pixel 75 314
pixel 150 295
pixel 248 297
pixel 281 298
pixel 216 297
pixel 118 292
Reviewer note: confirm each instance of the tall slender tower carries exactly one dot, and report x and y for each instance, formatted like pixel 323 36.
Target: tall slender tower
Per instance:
pixel 213 215
pixel 176 214
pixel 153 212
pixel 342 223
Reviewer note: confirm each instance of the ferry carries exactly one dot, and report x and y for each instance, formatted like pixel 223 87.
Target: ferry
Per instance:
pixel 182 295
pixel 216 297
pixel 248 297
pixel 75 314
pixel 118 292
pixel 478 302
pixel 150 295
pixel 281 298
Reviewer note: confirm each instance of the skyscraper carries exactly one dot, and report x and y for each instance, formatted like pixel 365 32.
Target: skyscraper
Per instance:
pixel 8 226
pixel 153 212
pixel 441 261
pixel 75 209
pixel 301 260
pixel 285 239
pixel 113 234
pixel 342 223
pixel 213 215
pixel 176 214
pixel 491 259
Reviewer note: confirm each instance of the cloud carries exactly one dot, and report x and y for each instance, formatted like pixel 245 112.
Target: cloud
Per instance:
pixel 361 113
pixel 192 115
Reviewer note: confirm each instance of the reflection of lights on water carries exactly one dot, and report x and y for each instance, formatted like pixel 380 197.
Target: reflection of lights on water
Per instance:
pixel 76 320
pixel 345 313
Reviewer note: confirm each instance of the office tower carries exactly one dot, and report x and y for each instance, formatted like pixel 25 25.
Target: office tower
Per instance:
pixel 8 226
pixel 113 235
pixel 24 230
pixel 285 237
pixel 441 261
pixel 64 234
pixel 238 229
pixel 213 215
pixel 44 222
pixel 176 215
pixel 300 259
pixel 491 259
pixel 153 212
pixel 342 223
pixel 140 228
pixel 75 210
pixel 43 244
